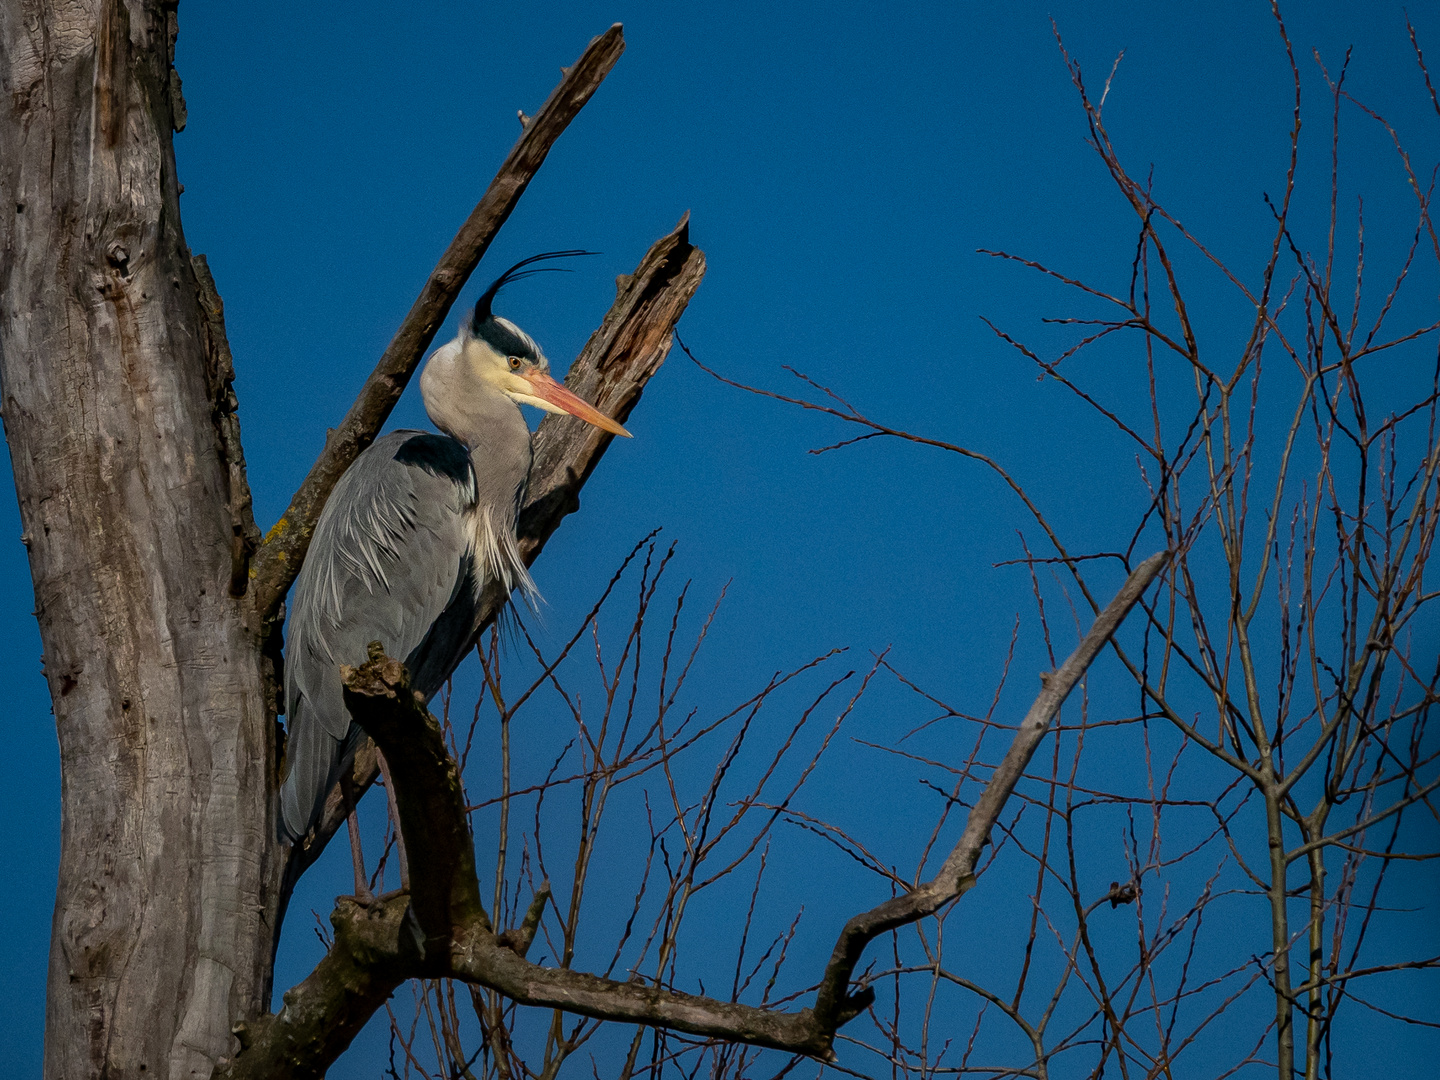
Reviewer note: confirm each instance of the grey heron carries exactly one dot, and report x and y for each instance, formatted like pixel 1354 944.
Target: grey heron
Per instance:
pixel 407 542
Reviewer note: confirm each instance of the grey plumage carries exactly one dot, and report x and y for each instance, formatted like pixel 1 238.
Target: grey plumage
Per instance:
pixel 399 556
pixel 409 539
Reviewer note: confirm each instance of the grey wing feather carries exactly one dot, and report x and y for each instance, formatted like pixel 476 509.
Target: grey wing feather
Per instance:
pixel 392 561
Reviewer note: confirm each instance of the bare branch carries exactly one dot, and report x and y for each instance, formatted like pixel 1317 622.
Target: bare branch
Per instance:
pixel 445 908
pixel 373 954
pixel 956 876
pixel 428 794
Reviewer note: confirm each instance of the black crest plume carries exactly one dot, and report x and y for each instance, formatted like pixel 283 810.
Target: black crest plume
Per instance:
pixel 515 273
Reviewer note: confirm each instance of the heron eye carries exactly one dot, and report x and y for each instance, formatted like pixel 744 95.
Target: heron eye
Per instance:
pixel 514 363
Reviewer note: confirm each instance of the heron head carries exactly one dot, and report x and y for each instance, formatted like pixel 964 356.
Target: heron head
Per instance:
pixel 506 358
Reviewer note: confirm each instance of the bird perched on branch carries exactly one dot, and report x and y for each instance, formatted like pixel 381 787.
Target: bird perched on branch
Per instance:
pixel 410 538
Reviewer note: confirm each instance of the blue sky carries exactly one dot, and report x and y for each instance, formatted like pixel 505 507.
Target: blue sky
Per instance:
pixel 842 163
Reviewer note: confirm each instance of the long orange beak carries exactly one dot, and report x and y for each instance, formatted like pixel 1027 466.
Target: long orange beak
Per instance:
pixel 547 389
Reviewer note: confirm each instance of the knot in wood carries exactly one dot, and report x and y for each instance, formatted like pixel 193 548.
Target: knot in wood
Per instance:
pixel 379 676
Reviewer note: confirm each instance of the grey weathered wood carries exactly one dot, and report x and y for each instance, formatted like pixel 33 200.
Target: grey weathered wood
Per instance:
pixel 441 929
pixel 611 372
pixel 115 403
pixel 115 392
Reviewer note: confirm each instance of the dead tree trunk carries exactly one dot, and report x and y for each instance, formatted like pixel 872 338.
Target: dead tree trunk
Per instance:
pixel 156 622
pixel 117 413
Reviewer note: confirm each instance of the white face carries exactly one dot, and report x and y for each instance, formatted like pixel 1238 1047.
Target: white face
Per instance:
pixel 460 375
pixel 512 375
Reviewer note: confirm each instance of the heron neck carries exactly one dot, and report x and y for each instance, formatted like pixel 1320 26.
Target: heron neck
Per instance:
pixel 483 421
pixel 467 408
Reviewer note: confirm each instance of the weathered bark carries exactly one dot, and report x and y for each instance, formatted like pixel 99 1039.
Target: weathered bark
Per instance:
pixel 115 395
pixel 611 371
pixel 116 409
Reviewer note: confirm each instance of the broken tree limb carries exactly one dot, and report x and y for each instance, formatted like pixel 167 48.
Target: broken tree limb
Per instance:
pixel 611 372
pixel 278 561
pixel 441 930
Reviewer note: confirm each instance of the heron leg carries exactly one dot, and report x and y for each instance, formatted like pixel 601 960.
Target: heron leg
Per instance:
pixel 395 818
pixel 357 855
